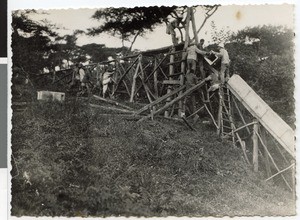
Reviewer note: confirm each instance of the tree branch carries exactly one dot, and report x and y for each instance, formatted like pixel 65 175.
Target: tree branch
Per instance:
pixel 132 42
pixel 208 15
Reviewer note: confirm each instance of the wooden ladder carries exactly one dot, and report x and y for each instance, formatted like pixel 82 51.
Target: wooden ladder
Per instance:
pixel 175 78
pixel 226 124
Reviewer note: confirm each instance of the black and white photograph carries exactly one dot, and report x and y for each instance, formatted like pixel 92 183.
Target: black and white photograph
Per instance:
pixel 153 111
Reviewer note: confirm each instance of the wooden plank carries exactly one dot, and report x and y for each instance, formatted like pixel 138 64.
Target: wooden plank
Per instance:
pixel 243 146
pixel 211 116
pixel 194 27
pixel 177 99
pixel 158 65
pixel 188 124
pixel 122 77
pixel 174 62
pixel 124 116
pixel 197 111
pixel 159 100
pixel 111 108
pixel 272 160
pixel 241 115
pixel 171 82
pixel 265 154
pixel 244 126
pixel 255 146
pixel 278 128
pixel 126 87
pixel 147 90
pixel 148 77
pixel 171 71
pixel 176 74
pixel 155 81
pixel 134 82
pixel 281 171
pixel 162 50
pixel 112 102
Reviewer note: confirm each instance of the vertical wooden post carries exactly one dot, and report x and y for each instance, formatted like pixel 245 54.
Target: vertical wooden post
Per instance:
pixel 181 108
pixel 220 118
pixel 155 77
pixel 171 72
pixel 194 27
pixel 255 146
pixel 134 81
pixel 266 156
pixel 241 115
pixel 294 180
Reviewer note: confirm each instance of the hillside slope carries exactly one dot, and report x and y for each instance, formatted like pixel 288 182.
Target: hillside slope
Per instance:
pixel 72 160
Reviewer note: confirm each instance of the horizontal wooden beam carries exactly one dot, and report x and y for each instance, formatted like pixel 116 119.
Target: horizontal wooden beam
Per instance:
pixel 111 108
pixel 171 82
pixel 244 126
pixel 177 99
pixel 160 99
pixel 172 63
pixel 112 102
pixel 281 171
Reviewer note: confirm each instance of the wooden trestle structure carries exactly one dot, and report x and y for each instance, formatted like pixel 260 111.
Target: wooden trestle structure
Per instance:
pixel 158 76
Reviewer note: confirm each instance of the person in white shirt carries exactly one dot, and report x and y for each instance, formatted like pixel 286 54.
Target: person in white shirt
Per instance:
pixel 225 61
pixel 191 59
pixel 224 71
pixel 84 79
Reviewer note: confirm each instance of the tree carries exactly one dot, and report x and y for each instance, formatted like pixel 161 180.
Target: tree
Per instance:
pixel 67 49
pixel 267 66
pixel 219 35
pixel 32 42
pixel 128 22
pixel 98 52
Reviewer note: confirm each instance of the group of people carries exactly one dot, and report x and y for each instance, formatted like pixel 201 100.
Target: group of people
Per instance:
pixel 194 55
pixel 81 77
pixel 193 58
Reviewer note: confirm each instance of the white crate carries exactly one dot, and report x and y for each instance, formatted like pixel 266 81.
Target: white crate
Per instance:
pixel 51 96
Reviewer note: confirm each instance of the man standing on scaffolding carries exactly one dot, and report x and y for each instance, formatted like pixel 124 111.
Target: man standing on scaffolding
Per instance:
pixel 191 59
pixel 224 71
pixel 225 61
pixel 191 78
pixel 173 25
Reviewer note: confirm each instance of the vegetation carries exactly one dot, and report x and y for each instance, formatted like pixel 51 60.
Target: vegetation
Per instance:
pixel 36 45
pixel 129 23
pixel 92 164
pixel 267 66
pixel 71 160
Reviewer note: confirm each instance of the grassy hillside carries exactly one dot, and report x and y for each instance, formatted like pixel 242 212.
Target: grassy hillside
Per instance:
pixel 72 160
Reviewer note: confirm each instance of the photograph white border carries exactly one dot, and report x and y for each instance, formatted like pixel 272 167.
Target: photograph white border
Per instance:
pixel 59 4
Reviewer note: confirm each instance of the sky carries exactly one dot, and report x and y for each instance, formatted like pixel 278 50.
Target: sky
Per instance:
pixel 233 18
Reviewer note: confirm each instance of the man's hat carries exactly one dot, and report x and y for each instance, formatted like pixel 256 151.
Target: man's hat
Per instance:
pixel 221 45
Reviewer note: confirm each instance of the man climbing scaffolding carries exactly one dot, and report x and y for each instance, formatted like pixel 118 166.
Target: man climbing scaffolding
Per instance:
pixel 224 70
pixel 191 59
pixel 171 26
pixel 191 78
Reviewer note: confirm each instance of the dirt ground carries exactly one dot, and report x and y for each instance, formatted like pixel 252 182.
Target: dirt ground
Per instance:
pixel 73 160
